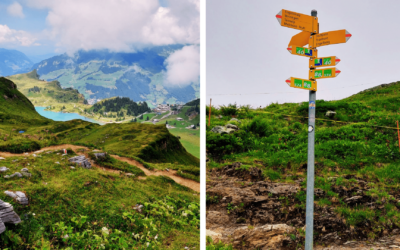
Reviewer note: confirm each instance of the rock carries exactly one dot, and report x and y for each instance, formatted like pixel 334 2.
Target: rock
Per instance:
pixel 100 155
pixel 2 158
pixel 81 160
pixel 232 126
pixel 19 196
pixel 167 169
pixel 71 167
pixel 26 174
pixel 215 219
pixel 18 174
pixel 216 237
pixel 57 162
pixel 129 174
pixel 235 120
pixel 330 113
pixel 7 215
pixel 4 169
pixel 24 170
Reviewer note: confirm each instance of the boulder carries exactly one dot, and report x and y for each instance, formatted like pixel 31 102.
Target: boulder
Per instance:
pixel 18 174
pixel 7 215
pixel 2 158
pixel 235 120
pixel 4 169
pixel 20 197
pixel 24 170
pixel 216 237
pixel 81 161
pixel 231 126
pixel 100 155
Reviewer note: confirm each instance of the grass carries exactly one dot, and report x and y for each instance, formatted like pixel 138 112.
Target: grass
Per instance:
pixel 360 141
pixel 58 194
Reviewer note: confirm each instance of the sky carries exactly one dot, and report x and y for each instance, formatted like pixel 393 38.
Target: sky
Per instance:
pixel 41 28
pixel 247 61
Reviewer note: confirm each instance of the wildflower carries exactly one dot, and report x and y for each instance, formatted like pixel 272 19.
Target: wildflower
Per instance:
pixel 105 231
pixel 33 214
pixel 147 244
pixel 156 237
pixel 66 236
pixel 184 214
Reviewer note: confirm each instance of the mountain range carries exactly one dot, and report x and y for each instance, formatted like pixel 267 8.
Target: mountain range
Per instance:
pixel 13 62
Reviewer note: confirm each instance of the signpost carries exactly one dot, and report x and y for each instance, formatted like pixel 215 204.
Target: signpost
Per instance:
pixel 310 35
pixel 330 37
pixel 302 83
pixel 297 21
pixel 302 51
pixel 323 73
pixel 324 61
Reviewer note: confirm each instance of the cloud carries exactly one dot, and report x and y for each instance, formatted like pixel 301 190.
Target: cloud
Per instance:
pixel 183 66
pixel 15 9
pixel 15 37
pixel 119 25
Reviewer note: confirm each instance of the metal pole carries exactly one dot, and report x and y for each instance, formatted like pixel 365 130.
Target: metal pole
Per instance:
pixel 310 165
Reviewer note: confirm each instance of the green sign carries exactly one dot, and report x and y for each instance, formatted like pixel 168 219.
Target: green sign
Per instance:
pixel 327 61
pixel 307 84
pixel 298 82
pixel 303 51
pixel 318 74
pixel 327 72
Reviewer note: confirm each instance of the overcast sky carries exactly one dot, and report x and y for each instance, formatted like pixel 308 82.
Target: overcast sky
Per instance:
pixel 247 49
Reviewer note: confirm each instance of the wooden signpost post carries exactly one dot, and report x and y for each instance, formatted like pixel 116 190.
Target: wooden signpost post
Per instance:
pixel 310 35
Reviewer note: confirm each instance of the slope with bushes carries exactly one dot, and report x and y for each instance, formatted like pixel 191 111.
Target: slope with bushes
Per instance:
pixel 356 157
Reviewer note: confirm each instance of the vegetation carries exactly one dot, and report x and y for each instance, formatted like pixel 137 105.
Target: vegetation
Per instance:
pixel 359 142
pixel 78 208
pixel 121 106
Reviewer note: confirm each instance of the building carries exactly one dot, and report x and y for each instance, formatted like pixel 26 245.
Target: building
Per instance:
pixel 179 119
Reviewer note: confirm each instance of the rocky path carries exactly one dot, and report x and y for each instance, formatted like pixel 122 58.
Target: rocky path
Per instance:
pixel 171 174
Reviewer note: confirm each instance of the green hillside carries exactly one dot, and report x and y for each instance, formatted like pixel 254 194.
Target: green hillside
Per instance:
pixel 81 202
pixel 358 145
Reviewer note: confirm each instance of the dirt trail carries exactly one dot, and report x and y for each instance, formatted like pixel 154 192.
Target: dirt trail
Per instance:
pixel 171 174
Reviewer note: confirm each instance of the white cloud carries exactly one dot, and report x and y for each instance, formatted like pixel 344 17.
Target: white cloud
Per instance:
pixel 15 9
pixel 120 24
pixel 183 66
pixel 15 37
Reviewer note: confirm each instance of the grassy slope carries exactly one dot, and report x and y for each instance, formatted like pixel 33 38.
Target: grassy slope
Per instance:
pixel 350 145
pixel 58 194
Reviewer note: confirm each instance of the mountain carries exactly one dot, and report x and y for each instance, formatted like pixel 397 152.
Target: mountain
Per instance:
pixel 43 93
pixel 13 61
pixel 103 74
pixel 122 198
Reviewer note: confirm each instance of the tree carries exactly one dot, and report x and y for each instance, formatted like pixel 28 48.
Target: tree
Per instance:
pixel 166 122
pixel 147 118
pixel 194 127
pixel 135 120
pixel 174 123
pixel 141 117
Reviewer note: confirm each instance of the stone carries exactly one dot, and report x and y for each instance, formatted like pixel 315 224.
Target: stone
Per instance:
pixel 2 158
pixel 232 126
pixel 19 196
pixel 72 167
pixel 26 174
pixel 216 237
pixel 7 215
pixel 18 174
pixel 57 162
pixel 100 155
pixel 81 161
pixel 24 170
pixel 4 169
pixel 129 174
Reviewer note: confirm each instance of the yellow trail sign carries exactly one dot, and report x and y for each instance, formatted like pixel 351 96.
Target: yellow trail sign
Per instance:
pixel 297 21
pixel 302 83
pixel 330 37
pixel 301 39
pixel 324 61
pixel 301 51
pixel 323 73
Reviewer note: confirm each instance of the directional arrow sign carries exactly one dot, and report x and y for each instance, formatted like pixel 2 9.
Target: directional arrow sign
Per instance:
pixel 323 73
pixel 301 51
pixel 324 61
pixel 330 37
pixel 297 21
pixel 302 83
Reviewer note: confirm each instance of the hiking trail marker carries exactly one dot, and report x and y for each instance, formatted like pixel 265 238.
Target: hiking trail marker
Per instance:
pixel 310 35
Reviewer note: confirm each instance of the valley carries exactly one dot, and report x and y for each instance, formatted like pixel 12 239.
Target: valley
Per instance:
pixel 135 187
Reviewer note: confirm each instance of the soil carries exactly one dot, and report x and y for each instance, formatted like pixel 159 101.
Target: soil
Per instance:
pixel 239 199
pixel 185 182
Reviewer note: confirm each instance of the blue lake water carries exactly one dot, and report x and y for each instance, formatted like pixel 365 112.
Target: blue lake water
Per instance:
pixel 59 116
